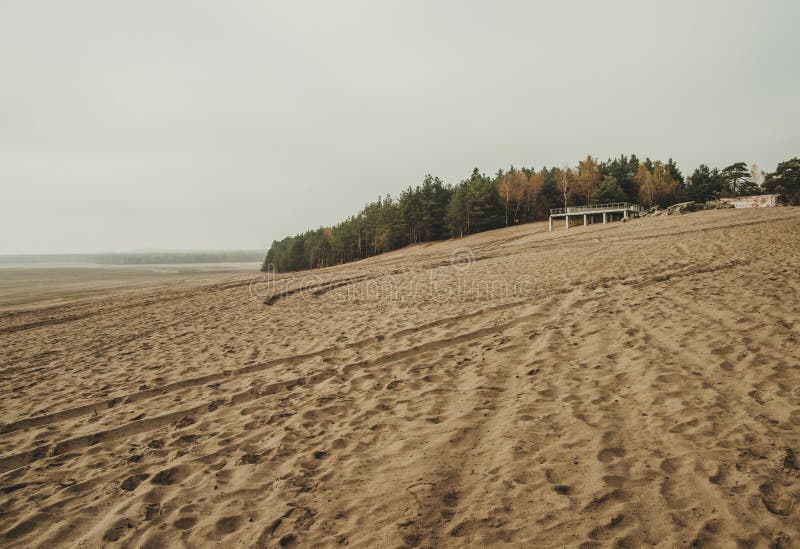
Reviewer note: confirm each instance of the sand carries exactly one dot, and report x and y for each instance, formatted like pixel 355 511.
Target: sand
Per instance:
pixel 24 287
pixel 620 385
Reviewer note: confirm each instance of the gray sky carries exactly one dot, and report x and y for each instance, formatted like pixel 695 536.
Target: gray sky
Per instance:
pixel 198 125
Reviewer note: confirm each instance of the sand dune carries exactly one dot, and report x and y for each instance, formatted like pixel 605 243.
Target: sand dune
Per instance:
pixel 611 386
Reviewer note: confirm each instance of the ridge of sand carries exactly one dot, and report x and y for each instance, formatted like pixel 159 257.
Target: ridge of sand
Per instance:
pixel 620 385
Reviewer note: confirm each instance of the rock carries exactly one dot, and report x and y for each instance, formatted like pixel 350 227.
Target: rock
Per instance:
pixel 680 209
pixel 715 205
pixel 675 209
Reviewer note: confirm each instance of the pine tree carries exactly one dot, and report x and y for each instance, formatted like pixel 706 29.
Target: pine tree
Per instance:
pixel 785 180
pixel 735 177
pixel 608 192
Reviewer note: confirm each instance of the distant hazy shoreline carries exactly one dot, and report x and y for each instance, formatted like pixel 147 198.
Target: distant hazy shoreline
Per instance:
pixel 136 258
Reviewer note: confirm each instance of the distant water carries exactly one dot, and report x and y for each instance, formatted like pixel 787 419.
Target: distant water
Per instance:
pixel 26 261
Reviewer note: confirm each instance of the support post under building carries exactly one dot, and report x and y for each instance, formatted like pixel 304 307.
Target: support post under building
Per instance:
pixel 610 212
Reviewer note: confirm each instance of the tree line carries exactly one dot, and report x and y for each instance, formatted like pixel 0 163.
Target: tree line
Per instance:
pixel 435 210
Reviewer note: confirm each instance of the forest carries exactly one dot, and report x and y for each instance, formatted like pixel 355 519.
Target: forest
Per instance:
pixel 435 210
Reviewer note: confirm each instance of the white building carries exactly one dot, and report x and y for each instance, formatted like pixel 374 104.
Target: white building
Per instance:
pixel 758 201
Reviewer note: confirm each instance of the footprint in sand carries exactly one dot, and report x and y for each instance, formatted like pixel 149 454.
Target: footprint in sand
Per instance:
pixel 607 455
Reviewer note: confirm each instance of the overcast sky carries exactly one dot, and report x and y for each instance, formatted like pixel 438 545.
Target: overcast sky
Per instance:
pixel 226 125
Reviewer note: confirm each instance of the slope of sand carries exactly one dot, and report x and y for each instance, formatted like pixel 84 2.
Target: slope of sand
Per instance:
pixel 615 385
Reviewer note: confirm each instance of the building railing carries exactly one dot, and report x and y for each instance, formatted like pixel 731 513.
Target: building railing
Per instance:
pixel 614 206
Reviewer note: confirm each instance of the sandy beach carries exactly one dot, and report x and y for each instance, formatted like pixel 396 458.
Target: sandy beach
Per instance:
pixel 615 385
